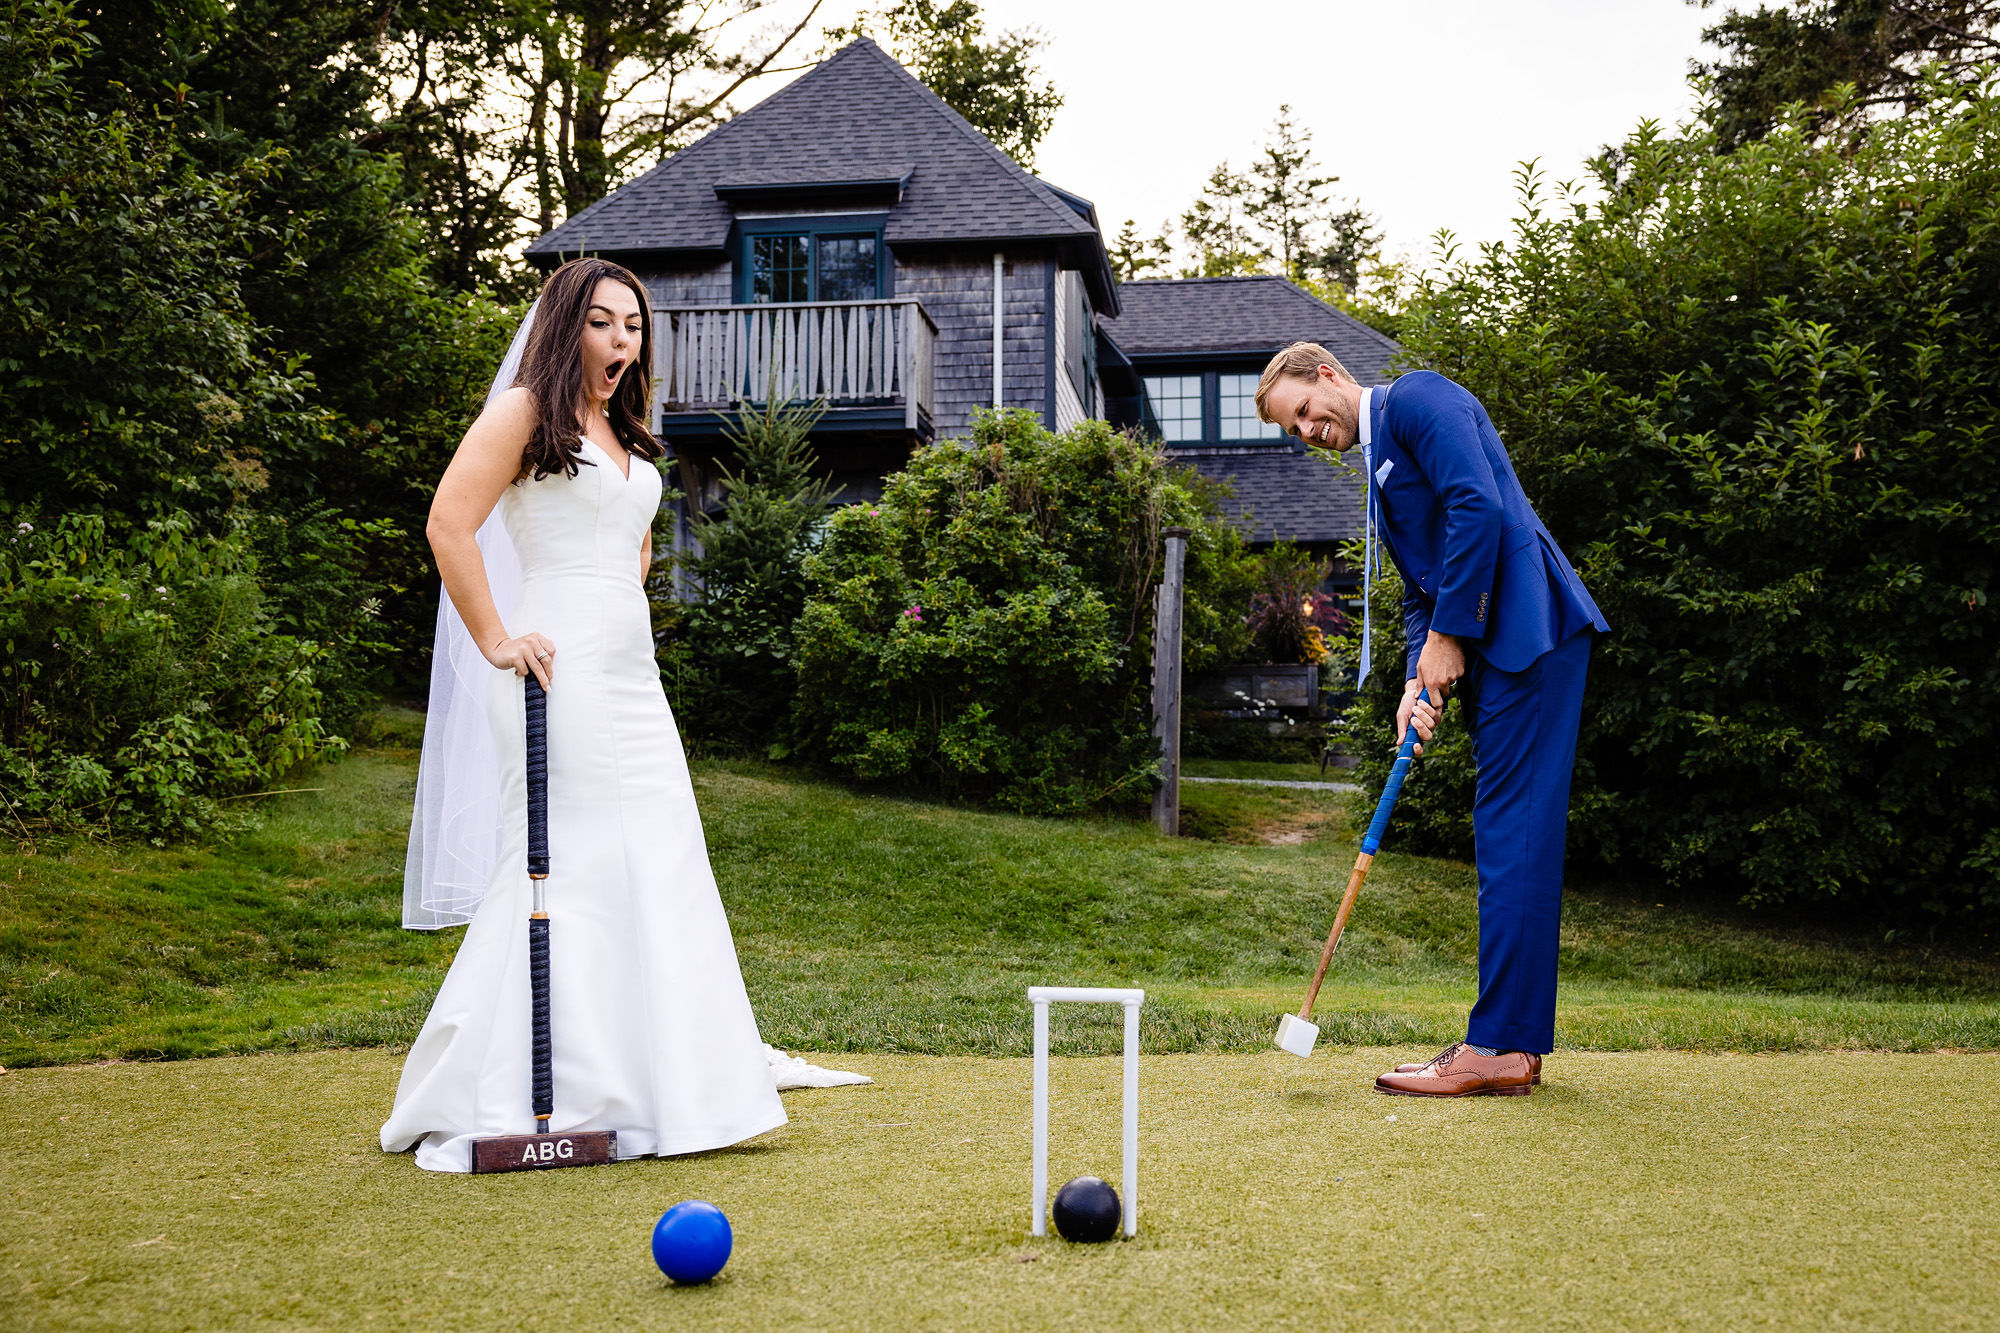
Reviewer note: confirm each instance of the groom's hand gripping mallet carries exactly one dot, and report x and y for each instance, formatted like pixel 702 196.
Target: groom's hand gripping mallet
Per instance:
pixel 524 1152
pixel 1296 1032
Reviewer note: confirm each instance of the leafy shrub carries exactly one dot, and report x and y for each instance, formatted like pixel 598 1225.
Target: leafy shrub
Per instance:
pixel 142 682
pixel 1756 395
pixel 985 629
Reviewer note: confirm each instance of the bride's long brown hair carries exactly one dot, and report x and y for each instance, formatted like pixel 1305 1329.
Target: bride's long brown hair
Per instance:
pixel 552 370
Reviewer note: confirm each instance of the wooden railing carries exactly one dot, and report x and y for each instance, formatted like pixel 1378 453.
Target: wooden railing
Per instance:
pixel 850 353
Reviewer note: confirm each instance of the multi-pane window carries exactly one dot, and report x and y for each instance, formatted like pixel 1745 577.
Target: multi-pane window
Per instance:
pixel 1177 403
pixel 1238 416
pixel 847 268
pixel 779 268
pixel 808 266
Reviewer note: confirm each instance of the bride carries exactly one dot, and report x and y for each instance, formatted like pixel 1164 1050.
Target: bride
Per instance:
pixel 652 1032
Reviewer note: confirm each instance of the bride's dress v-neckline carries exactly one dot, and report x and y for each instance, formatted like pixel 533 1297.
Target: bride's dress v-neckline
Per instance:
pixel 625 472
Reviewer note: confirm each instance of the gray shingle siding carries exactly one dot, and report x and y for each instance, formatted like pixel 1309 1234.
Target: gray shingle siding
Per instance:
pixel 956 287
pixel 712 284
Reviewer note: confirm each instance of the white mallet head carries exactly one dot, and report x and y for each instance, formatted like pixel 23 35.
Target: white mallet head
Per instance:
pixel 1296 1035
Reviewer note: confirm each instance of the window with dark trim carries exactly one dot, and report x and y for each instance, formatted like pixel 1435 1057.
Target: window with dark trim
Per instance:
pixel 1211 407
pixel 1177 405
pixel 809 261
pixel 1237 410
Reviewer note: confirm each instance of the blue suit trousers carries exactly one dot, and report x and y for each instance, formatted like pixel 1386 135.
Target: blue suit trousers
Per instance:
pixel 1523 726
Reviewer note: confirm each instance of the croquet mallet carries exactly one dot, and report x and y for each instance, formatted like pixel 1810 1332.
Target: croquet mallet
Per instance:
pixel 541 1149
pixel 1297 1032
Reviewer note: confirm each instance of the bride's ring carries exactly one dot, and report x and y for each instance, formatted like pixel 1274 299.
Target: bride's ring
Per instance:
pixel 542 657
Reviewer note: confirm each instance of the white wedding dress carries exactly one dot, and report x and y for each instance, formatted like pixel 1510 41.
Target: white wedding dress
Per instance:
pixel 652 1030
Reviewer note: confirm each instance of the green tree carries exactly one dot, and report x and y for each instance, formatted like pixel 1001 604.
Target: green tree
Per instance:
pixel 993 82
pixel 1283 195
pixel 1754 395
pixel 734 671
pixel 611 86
pixel 148 671
pixel 338 282
pixel 1134 256
pixel 1846 60
pixel 1280 217
pixel 1220 240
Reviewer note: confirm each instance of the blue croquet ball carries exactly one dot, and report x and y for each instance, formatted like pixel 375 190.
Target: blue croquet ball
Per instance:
pixel 1087 1210
pixel 691 1241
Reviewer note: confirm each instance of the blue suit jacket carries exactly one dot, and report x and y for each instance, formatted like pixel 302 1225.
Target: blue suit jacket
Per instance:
pixel 1476 561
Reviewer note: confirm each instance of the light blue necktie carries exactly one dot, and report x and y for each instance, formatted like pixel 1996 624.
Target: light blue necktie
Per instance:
pixel 1369 555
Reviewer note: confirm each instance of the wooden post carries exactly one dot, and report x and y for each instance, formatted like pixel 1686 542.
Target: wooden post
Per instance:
pixel 1167 683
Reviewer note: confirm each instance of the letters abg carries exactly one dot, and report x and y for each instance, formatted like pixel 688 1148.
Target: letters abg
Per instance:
pixel 554 1149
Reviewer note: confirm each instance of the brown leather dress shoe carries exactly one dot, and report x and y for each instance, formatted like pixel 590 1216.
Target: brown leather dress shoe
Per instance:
pixel 1459 1072
pixel 1534 1063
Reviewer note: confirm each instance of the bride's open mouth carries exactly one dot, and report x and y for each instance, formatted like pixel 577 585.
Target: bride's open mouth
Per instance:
pixel 612 372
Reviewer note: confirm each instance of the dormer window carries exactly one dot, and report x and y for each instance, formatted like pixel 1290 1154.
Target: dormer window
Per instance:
pixel 810 260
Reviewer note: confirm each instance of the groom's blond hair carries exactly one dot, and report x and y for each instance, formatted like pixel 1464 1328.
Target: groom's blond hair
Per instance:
pixel 1300 361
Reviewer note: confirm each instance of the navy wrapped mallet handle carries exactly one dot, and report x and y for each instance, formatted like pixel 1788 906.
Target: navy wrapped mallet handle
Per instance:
pixel 1370 842
pixel 538 920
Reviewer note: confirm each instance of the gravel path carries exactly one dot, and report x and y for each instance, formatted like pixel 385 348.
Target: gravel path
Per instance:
pixel 1278 782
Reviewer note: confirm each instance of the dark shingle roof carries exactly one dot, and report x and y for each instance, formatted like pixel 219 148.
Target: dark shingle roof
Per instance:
pixel 1193 316
pixel 858 117
pixel 1298 497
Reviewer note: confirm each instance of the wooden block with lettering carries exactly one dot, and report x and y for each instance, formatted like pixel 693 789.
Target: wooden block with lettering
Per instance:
pixel 544 1152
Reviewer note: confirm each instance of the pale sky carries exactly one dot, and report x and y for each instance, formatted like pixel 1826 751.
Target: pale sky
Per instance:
pixel 1422 107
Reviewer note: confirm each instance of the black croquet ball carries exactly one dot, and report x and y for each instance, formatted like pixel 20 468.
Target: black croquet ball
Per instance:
pixel 1087 1210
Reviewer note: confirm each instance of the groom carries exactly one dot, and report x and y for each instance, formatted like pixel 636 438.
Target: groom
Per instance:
pixel 1491 611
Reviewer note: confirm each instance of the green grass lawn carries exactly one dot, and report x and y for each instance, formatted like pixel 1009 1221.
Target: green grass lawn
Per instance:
pixel 1643 1190
pixel 867 923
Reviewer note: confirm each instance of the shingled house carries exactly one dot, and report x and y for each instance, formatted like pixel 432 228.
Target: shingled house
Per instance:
pixel 1198 346
pixel 853 239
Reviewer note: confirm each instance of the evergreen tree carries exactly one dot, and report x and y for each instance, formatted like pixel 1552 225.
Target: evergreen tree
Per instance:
pixel 1134 256
pixel 1279 217
pixel 1284 196
pixel 1816 51
pixel 735 642
pixel 1217 227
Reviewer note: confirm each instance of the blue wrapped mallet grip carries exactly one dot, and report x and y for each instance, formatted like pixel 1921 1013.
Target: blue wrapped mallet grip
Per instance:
pixel 1391 789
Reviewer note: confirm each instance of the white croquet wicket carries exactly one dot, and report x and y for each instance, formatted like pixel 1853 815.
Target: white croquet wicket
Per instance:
pixel 1042 997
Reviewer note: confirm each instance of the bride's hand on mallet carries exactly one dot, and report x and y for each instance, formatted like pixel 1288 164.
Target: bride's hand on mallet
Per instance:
pixel 526 653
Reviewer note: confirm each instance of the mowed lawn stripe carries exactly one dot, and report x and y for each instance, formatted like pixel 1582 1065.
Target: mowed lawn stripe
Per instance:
pixel 869 922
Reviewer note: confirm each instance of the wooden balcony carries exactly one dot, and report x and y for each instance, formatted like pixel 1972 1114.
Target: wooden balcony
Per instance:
pixel 868 360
